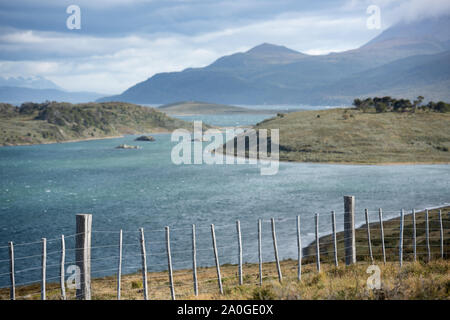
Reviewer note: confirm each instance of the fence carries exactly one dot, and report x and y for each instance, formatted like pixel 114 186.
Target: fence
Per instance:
pixel 417 239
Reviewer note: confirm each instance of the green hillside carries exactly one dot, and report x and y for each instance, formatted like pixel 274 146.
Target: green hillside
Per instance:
pixel 363 136
pixel 34 123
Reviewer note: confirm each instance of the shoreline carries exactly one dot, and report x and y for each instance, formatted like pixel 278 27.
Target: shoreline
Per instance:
pixel 408 163
pixel 83 139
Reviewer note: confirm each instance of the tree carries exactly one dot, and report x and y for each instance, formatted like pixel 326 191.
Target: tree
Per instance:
pixel 417 102
pixel 380 107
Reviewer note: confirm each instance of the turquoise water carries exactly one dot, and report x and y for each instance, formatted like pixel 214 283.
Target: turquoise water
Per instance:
pixel 42 187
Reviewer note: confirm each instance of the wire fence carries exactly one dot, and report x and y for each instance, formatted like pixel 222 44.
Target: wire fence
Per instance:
pixel 219 259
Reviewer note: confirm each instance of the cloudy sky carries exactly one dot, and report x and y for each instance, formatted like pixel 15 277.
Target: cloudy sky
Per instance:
pixel 122 42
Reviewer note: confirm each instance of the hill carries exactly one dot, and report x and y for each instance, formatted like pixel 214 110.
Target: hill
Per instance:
pixel 354 136
pixel 195 108
pixel 34 123
pixel 278 75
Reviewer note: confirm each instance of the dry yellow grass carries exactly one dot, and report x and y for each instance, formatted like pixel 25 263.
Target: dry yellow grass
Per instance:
pixel 416 280
pixel 351 136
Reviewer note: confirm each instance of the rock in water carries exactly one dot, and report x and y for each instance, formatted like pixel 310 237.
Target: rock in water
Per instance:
pixel 145 138
pixel 126 146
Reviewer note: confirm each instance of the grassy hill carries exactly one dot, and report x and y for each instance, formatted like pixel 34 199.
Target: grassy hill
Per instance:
pixel 353 136
pixel 195 108
pixel 34 123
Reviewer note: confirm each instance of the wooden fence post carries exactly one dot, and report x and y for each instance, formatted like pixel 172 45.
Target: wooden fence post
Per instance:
pixel 12 292
pixel 400 246
pixel 216 258
pixel 194 261
pixel 349 230
pixel 299 247
pixel 44 269
pixel 333 226
pixel 169 264
pixel 427 231
pixel 238 229
pixel 62 268
pixel 275 249
pixel 414 234
pixel 83 255
pixel 119 267
pixel 260 252
pixel 383 248
pixel 144 264
pixel 366 213
pixel 441 234
pixel 316 219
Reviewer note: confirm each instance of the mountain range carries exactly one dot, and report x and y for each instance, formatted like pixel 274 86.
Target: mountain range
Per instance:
pixel 405 60
pixel 17 90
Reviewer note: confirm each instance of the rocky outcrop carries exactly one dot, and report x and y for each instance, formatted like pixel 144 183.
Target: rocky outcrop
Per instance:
pixel 145 138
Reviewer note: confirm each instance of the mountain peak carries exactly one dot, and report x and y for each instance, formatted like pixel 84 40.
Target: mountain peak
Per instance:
pixel 268 48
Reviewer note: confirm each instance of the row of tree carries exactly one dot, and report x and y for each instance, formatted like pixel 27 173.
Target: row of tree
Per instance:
pixel 388 104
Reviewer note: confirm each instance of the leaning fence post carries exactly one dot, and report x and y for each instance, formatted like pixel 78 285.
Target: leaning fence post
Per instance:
pixel 144 264
pixel 62 267
pixel 169 264
pixel 380 215
pixel 427 231
pixel 275 249
pixel 194 261
pixel 238 229
pixel 333 226
pixel 366 213
pixel 119 267
pixel 12 292
pixel 299 247
pixel 216 258
pixel 349 230
pixel 260 252
pixel 316 220
pixel 441 234
pixel 400 246
pixel 83 255
pixel 44 269
pixel 414 234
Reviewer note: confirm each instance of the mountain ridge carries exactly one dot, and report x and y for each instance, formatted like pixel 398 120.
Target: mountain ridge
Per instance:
pixel 274 74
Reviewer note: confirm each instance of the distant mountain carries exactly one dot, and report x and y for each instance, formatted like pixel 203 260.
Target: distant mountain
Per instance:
pixel 18 95
pixel 409 77
pixel 36 82
pixel 275 74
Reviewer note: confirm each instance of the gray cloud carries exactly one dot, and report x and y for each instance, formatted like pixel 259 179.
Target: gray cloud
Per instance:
pixel 123 42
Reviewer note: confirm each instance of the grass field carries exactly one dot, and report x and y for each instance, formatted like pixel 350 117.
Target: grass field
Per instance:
pixel 416 280
pixel 352 136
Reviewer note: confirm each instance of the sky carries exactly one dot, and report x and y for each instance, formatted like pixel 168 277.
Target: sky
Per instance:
pixel 122 42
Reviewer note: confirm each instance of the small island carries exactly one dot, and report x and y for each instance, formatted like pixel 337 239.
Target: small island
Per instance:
pixel 126 146
pixel 145 138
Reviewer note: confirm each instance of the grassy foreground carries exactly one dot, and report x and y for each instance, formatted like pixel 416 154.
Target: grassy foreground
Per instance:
pixel 353 136
pixel 416 280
